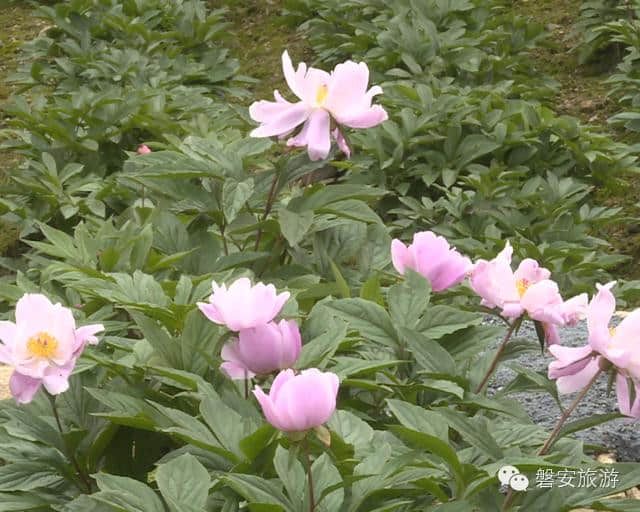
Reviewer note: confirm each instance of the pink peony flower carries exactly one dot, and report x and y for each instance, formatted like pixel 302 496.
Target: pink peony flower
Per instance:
pixel 341 96
pixel 501 287
pixel 143 149
pixel 296 403
pixel 431 256
pixel 42 346
pixel 527 290
pixel 262 349
pixel 243 306
pixel 574 367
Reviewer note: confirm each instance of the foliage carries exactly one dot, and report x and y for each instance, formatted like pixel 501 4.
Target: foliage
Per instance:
pixel 623 81
pixel 478 163
pixel 133 242
pixel 101 78
pixel 595 40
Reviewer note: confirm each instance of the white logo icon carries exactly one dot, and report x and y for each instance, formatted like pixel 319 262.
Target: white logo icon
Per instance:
pixel 519 482
pixel 510 475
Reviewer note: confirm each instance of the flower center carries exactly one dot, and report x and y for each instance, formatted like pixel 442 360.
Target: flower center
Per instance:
pixel 321 95
pixel 42 345
pixel 522 285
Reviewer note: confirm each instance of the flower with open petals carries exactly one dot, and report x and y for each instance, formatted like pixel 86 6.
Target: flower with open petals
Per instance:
pixel 297 403
pixel 431 256
pixel 528 288
pixel 341 96
pixel 262 350
pixel 42 346
pixel 574 367
pixel 243 306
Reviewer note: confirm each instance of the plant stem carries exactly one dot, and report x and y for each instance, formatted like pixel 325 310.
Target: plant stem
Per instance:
pixel 83 478
pixel 516 323
pixel 223 226
pixel 312 500
pixel 566 414
pixel 246 386
pixel 267 208
pixel 554 434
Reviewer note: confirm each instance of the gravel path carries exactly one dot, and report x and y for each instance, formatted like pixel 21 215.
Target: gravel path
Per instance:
pixel 621 436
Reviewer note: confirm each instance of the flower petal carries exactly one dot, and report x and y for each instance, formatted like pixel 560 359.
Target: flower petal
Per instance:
pixel 342 142
pixel 285 117
pixel 268 407
pixel 348 86
pixel 366 118
pixel 401 257
pixel 577 381
pixel 293 78
pixel 599 314
pixel 23 388
pixel 318 135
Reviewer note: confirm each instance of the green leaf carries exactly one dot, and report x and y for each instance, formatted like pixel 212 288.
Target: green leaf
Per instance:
pixel 351 429
pixel 472 147
pixel 371 290
pixel 340 281
pixel 184 483
pixel 127 494
pixel 446 386
pixel 26 476
pixel 317 351
pixel 168 348
pixel 257 490
pixel 540 334
pixel 429 354
pixel 19 502
pixel 234 196
pixel 591 421
pixel 350 366
pixel 408 300
pixel 127 410
pixel 370 319
pixel 227 424
pixel 473 431
pixel 294 226
pixel 438 447
pixel 196 345
pixel 419 419
pixel 325 477
pixel 291 474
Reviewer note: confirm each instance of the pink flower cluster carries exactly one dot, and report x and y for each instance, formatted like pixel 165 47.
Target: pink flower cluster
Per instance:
pixel 295 403
pixel 527 290
pixel 325 98
pixel 42 346
pixel 574 367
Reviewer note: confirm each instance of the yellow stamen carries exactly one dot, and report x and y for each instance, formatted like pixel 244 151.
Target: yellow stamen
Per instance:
pixel 612 331
pixel 522 285
pixel 42 345
pixel 321 95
